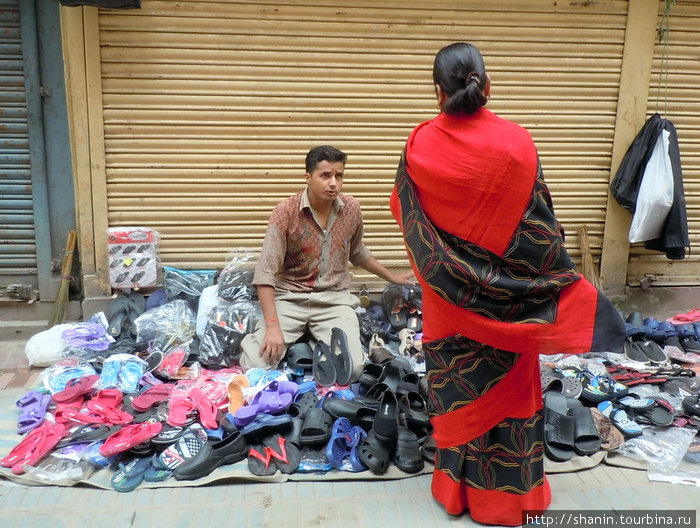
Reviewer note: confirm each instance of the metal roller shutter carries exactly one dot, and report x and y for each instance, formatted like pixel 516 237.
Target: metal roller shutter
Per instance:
pixel 681 105
pixel 210 107
pixel 17 236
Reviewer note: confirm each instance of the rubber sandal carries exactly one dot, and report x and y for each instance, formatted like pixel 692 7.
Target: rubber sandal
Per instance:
pixel 316 428
pixel 180 405
pixel 559 428
pixel 300 355
pixel 407 456
pixel 283 454
pixel 620 419
pixel 235 392
pixel 386 420
pixel 130 475
pixel 259 461
pixel 75 388
pixel 205 407
pixel 661 414
pixel 302 403
pixel 155 472
pixel 33 407
pixel 691 404
pixel 375 454
pixel 323 367
pixel 151 396
pixel 129 436
pixel 265 425
pixel 338 448
pixel 357 436
pixel 340 354
pixel 371 375
pixel 586 439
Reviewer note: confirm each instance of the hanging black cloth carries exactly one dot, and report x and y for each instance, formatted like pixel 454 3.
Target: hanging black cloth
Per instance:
pixel 112 4
pixel 625 186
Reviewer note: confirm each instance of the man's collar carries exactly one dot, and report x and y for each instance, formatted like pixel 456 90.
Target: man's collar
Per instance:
pixel 305 202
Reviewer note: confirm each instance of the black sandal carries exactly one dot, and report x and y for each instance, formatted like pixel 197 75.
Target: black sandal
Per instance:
pixel 375 454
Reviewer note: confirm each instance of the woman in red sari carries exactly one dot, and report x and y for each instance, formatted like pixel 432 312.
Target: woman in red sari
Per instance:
pixel 498 290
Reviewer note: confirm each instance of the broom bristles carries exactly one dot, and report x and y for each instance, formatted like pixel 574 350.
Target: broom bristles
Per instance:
pixel 588 267
pixel 61 303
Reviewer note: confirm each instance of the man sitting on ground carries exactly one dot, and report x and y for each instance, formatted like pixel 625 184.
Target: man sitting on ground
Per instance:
pixel 302 276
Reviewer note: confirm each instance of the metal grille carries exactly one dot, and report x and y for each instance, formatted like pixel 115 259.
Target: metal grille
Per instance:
pixel 210 107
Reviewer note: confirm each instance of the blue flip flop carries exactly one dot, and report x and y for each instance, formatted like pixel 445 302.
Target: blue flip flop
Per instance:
pixel 130 475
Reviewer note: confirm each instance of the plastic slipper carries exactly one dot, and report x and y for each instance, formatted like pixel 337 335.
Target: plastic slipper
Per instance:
pixel 75 388
pixel 129 436
pixel 118 315
pixel 155 472
pixel 600 388
pixel 662 413
pixel 635 403
pixel 151 396
pixel 33 405
pixel 340 354
pixel 269 400
pixel 235 392
pixel 371 375
pixel 88 433
pixel 130 374
pixel 300 355
pixel 393 303
pixel 316 428
pixel 691 404
pixel 323 367
pixel 559 428
pixel 205 407
pixel 375 454
pixel 620 419
pixel 407 456
pixel 586 439
pixel 259 461
pixel 130 475
pixel 180 405
pixel 283 454
pixel 35 446
pixel 338 448
pixel 356 437
pixel 265 425
pixel 302 403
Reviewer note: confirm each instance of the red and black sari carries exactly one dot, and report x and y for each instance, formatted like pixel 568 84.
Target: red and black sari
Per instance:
pixel 498 290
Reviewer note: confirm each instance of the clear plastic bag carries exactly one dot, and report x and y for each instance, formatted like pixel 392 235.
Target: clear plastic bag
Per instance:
pixel 173 322
pixel 236 280
pixel 46 347
pixel 187 284
pixel 208 300
pixel 220 345
pixel 64 370
pixel 65 467
pixel 662 448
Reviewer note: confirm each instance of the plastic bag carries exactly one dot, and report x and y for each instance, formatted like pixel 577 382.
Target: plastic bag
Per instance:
pixel 662 448
pixel 132 257
pixel 208 300
pixel 236 280
pixel 655 196
pixel 46 347
pixel 64 467
pixel 174 358
pixel 220 345
pixel 173 322
pixel 187 284
pixel 64 370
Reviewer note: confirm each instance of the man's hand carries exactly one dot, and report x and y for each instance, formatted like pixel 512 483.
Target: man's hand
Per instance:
pixel 272 350
pixel 406 278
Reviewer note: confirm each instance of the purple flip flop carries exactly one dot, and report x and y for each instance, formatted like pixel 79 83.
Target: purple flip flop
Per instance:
pixel 33 406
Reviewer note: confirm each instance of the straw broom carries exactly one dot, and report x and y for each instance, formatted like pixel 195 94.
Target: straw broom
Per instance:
pixel 59 313
pixel 588 269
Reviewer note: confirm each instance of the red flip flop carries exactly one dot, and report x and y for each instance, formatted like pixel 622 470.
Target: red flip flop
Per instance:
pixel 151 396
pixel 206 408
pixel 35 446
pixel 130 436
pixel 180 406
pixel 75 388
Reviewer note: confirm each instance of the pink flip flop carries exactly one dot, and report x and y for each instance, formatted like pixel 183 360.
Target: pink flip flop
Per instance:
pixel 180 406
pixel 35 446
pixel 206 408
pixel 130 436
pixel 75 388
pixel 151 396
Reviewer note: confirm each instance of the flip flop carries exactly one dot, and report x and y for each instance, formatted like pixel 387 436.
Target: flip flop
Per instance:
pixel 205 407
pixel 34 447
pixel 235 392
pixel 129 436
pixel 259 461
pixel 283 454
pixel 662 413
pixel 75 388
pixel 130 475
pixel 620 419
pixel 610 436
pixel 180 405
pixel 586 439
pixel 151 396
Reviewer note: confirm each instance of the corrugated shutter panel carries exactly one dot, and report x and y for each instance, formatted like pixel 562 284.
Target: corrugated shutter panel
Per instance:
pixel 210 107
pixel 681 105
pixel 17 244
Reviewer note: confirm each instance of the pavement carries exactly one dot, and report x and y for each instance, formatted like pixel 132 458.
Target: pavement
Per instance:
pixel 356 503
